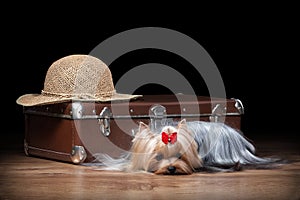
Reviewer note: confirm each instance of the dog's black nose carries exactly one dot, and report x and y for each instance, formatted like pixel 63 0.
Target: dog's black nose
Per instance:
pixel 171 169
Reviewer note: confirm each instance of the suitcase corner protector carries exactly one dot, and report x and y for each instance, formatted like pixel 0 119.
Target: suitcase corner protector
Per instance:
pixel 26 148
pixel 78 154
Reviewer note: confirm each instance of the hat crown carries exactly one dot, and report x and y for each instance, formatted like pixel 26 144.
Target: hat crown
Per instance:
pixel 79 75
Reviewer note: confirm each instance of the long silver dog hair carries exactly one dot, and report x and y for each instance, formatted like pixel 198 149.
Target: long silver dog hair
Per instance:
pixel 219 144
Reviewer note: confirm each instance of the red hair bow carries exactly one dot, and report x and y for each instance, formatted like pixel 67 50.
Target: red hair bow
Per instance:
pixel 166 138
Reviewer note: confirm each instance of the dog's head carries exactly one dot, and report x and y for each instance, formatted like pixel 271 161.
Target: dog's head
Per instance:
pixel 172 151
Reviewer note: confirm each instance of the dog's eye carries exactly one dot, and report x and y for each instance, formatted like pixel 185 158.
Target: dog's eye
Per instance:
pixel 178 155
pixel 159 157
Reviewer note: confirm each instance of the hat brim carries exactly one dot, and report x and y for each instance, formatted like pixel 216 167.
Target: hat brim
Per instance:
pixel 39 99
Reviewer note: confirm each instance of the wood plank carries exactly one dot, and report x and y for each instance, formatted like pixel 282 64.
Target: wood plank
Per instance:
pixel 25 177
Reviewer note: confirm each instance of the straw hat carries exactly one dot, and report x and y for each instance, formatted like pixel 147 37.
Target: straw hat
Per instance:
pixel 76 77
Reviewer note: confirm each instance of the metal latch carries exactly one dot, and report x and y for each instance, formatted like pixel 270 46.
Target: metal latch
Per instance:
pixel 104 121
pixel 218 113
pixel 157 115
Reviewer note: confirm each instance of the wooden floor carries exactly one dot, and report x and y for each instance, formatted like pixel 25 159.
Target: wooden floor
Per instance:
pixel 25 177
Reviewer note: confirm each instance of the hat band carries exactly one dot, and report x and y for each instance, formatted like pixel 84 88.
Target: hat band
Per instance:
pixel 80 95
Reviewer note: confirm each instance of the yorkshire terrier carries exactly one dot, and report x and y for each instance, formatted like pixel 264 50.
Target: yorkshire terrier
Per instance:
pixel 184 148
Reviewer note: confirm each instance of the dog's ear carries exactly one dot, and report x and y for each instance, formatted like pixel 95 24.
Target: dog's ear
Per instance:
pixel 183 128
pixel 182 123
pixel 143 131
pixel 143 126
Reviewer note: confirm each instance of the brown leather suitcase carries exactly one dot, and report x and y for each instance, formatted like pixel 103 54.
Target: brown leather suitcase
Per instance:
pixel 74 131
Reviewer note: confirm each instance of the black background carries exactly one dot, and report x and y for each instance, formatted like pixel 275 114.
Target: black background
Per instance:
pixel 256 51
